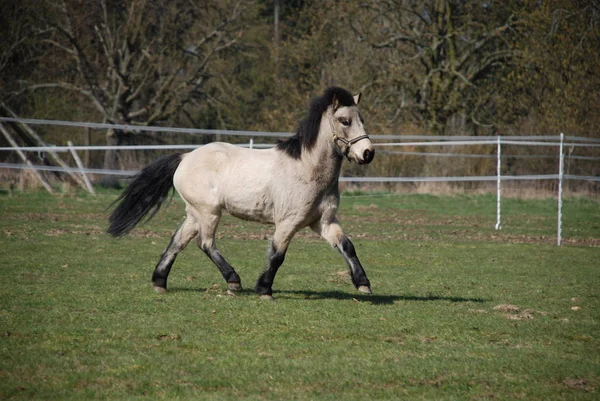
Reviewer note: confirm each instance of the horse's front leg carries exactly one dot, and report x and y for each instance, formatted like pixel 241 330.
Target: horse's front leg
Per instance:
pixel 275 257
pixel 332 233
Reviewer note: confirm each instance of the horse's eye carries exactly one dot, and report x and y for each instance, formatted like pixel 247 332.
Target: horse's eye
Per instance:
pixel 345 123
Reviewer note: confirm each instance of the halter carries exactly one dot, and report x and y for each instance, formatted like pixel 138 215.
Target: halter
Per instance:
pixel 347 144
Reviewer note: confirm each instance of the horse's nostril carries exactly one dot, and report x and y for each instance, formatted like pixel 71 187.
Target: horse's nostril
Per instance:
pixel 368 155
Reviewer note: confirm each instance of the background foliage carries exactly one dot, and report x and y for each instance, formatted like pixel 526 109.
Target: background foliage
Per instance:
pixel 446 67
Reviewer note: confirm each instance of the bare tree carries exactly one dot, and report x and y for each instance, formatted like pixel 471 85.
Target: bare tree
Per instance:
pixel 139 62
pixel 437 52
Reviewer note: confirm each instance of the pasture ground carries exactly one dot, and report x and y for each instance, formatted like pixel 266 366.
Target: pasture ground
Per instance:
pixel 459 311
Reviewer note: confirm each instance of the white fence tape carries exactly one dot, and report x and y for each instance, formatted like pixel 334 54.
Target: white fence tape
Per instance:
pixel 117 147
pixel 477 155
pixel 142 128
pixel 15 166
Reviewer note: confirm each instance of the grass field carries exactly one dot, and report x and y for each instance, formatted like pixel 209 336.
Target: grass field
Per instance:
pixel 459 311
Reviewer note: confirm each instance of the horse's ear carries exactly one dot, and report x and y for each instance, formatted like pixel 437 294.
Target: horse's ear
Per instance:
pixel 335 102
pixel 357 98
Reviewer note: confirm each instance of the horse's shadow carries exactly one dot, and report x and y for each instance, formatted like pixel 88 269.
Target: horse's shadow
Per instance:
pixel 345 296
pixel 374 298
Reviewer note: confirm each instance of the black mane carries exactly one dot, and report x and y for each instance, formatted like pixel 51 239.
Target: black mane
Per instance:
pixel 308 129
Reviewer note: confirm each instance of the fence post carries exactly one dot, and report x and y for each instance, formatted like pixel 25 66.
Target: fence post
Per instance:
pixel 561 173
pixel 499 185
pixel 86 180
pixel 22 155
pixel 251 143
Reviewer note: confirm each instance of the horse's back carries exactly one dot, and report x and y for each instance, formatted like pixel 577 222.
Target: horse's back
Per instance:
pixel 221 175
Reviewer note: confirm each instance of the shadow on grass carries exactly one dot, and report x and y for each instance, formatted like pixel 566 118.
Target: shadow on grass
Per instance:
pixel 340 295
pixel 187 289
pixel 376 299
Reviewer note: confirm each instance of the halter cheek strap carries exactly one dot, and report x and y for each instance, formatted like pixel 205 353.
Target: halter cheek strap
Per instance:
pixel 347 144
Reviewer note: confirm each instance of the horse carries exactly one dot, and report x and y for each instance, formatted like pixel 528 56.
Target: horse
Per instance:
pixel 292 185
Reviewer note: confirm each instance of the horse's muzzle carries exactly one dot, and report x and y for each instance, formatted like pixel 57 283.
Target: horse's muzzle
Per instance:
pixel 368 156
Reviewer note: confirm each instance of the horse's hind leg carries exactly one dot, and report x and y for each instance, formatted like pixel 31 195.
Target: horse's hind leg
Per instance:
pixel 206 242
pixel 182 236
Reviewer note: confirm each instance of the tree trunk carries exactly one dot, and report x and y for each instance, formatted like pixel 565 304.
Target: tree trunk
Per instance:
pixel 111 156
pixel 276 34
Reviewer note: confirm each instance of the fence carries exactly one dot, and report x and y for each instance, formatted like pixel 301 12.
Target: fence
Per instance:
pixel 558 141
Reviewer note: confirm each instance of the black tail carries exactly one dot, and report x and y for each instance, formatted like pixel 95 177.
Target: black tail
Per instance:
pixel 146 194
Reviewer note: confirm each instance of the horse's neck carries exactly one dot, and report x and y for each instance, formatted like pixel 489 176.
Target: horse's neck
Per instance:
pixel 323 163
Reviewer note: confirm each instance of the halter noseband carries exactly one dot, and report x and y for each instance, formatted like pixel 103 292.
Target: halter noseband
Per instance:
pixel 347 144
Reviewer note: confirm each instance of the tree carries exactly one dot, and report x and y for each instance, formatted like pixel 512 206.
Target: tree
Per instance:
pixel 138 62
pixel 557 79
pixel 20 45
pixel 438 55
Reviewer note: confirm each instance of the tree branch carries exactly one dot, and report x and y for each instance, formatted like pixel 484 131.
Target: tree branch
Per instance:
pixel 65 85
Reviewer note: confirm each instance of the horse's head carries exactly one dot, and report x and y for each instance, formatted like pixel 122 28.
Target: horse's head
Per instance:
pixel 347 126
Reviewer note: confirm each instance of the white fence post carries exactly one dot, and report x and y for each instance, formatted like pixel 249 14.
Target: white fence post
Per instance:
pixel 251 143
pixel 22 155
pixel 561 173
pixel 499 185
pixel 86 180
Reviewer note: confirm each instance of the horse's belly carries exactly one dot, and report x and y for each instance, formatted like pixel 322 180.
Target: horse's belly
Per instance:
pixel 259 210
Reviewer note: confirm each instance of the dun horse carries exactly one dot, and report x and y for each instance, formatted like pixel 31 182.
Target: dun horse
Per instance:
pixel 293 185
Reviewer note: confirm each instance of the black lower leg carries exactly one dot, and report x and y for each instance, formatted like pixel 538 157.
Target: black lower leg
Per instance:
pixel 228 272
pixel 163 267
pixel 357 273
pixel 161 272
pixel 264 284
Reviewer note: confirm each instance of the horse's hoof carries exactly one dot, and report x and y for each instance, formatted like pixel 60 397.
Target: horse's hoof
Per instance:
pixel 267 297
pixel 234 286
pixel 159 290
pixel 365 289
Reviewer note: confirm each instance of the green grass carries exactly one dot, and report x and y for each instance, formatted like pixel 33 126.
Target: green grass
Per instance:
pixel 79 319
